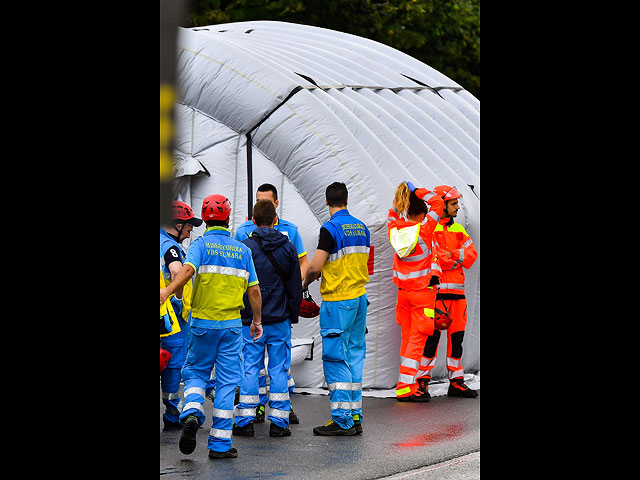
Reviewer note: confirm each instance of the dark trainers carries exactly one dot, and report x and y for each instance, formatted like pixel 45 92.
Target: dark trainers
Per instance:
pixel 244 431
pixel 457 388
pixel 171 425
pixel 259 414
pixel 293 418
pixel 419 396
pixel 276 431
pixel 188 438
pixel 332 428
pixel 357 424
pixel 231 453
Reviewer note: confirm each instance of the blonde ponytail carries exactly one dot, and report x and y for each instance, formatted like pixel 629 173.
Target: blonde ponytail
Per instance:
pixel 401 198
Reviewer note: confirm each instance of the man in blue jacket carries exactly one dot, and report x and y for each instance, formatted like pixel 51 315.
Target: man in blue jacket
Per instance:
pixel 276 263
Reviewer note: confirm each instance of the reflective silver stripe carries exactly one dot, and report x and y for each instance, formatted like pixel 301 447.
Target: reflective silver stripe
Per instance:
pixel 461 259
pixel 291 382
pixel 347 251
pixel 453 362
pixel 196 405
pixel 274 412
pixel 339 386
pixel 340 405
pixel 428 362
pixel 278 396
pixel 407 276
pixel 344 386
pixel 355 405
pixel 235 272
pixel 404 378
pixel 218 412
pixel 459 286
pixel 467 243
pixel 170 396
pixel 216 432
pixel 196 390
pixel 262 373
pixel 409 362
pixel 456 373
pixel 246 412
pixel 249 399
pixel 262 390
pixel 434 215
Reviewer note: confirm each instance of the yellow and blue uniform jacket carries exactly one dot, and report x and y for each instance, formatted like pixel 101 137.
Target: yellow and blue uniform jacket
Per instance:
pixel 345 272
pixel 224 270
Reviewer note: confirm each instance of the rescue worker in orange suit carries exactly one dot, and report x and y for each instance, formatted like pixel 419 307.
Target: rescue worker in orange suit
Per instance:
pixel 411 222
pixel 455 251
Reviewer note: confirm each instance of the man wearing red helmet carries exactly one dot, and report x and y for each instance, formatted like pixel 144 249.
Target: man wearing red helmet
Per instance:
pixel 171 259
pixel 455 251
pixel 225 271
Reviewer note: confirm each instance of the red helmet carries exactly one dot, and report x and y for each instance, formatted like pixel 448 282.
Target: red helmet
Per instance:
pixel 308 307
pixel 184 213
pixel 164 359
pixel 442 319
pixel 447 192
pixel 216 207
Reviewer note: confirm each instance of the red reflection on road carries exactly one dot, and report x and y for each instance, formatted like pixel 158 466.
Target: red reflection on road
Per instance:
pixel 444 433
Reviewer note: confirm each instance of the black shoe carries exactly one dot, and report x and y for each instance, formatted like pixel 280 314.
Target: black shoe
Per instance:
pixel 188 438
pixel 423 385
pixel 231 453
pixel 276 431
pixel 419 396
pixel 244 431
pixel 331 428
pixel 259 414
pixel 293 418
pixel 457 388
pixel 357 424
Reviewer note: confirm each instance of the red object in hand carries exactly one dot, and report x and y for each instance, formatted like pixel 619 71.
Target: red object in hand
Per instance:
pixel 164 359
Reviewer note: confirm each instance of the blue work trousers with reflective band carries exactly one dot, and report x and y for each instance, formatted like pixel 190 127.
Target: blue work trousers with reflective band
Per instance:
pixel 176 345
pixel 343 326
pixel 208 348
pixel 277 339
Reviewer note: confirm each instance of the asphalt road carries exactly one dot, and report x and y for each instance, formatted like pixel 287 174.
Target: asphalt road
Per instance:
pixel 403 441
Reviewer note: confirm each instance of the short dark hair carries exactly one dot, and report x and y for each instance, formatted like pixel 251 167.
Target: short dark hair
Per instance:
pixel 337 194
pixel 264 213
pixel 416 206
pixel 267 187
pixel 218 223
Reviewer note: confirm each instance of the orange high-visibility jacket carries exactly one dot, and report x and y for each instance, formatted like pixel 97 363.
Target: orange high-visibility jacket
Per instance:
pixel 414 261
pixel 452 237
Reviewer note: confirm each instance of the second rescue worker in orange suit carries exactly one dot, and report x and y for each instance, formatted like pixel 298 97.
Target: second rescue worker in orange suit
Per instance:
pixel 455 251
pixel 411 223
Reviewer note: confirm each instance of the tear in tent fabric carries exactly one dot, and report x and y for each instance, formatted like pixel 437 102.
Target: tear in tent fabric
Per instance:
pixel 301 107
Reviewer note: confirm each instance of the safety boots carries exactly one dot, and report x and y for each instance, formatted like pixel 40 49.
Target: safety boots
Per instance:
pixel 187 442
pixel 331 428
pixel 457 388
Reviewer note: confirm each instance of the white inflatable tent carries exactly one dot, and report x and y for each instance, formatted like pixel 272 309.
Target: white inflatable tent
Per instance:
pixel 318 106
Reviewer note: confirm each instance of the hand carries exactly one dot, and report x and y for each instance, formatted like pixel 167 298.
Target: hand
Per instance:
pixel 411 186
pixel 163 295
pixel 255 331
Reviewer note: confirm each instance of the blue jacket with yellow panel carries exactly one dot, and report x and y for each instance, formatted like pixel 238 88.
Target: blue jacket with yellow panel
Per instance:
pixel 345 272
pixel 225 270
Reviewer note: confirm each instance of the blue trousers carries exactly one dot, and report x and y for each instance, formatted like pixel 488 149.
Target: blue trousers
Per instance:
pixel 277 339
pixel 343 326
pixel 176 345
pixel 208 348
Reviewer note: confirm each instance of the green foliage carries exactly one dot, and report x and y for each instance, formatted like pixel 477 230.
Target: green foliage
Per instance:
pixel 443 34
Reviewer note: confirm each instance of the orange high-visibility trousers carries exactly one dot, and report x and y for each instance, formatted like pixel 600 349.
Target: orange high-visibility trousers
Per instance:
pixel 455 335
pixel 414 314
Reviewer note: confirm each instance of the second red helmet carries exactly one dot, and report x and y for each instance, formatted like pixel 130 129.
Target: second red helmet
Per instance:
pixel 216 207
